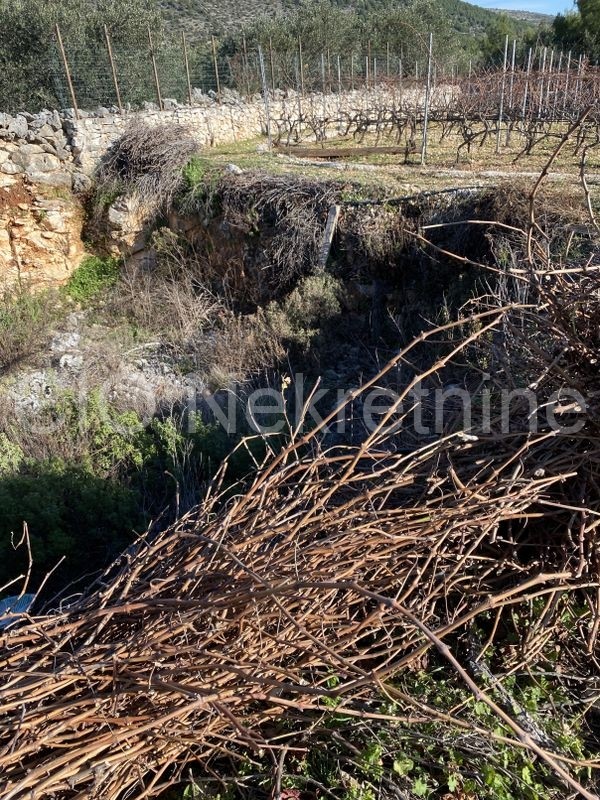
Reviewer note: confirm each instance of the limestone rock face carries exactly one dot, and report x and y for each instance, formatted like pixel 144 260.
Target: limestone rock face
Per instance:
pixel 40 235
pixel 127 230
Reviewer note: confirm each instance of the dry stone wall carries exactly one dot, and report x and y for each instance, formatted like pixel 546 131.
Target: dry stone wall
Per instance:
pixel 35 147
pixel 55 149
pixel 47 159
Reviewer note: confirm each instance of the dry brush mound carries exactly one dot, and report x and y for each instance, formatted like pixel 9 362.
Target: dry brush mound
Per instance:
pixel 219 636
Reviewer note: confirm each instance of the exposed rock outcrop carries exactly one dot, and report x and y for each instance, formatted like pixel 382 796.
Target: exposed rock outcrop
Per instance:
pixel 40 234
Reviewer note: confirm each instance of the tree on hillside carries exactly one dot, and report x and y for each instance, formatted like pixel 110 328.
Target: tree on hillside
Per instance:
pixel 589 11
pixel 579 31
pixel 568 31
pixel 31 73
pixel 327 27
pixel 495 38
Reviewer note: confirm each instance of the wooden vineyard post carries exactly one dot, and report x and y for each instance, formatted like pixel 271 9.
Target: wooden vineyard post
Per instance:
pixel 564 105
pixel 216 66
pixel 155 70
pixel 113 68
pixel 502 90
pixel 272 64
pixel 63 54
pixel 186 62
pixel 301 63
pixel 246 66
pixel 298 95
pixel 549 85
pixel 265 88
pixel 400 80
pixel 543 72
pixel 578 81
pixel 557 83
pixel 427 97
pixel 416 92
pixel 339 87
pixel 326 242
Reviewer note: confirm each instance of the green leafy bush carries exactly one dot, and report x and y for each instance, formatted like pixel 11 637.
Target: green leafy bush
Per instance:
pixel 70 513
pixel 31 76
pixel 298 318
pixel 106 476
pixel 194 172
pixel 94 276
pixel 198 194
pixel 11 456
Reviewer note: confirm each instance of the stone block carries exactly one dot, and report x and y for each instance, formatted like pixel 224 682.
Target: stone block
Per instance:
pixel 58 179
pixel 81 183
pixel 47 132
pixel 55 221
pixel 18 126
pixel 35 162
pixel 10 168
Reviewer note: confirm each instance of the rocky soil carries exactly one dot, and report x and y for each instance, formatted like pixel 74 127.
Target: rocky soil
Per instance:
pixel 84 355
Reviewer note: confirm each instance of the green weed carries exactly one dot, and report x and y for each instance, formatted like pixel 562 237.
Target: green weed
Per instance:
pixel 92 278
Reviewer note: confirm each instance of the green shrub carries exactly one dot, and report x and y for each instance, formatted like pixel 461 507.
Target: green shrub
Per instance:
pixel 71 513
pixel 26 320
pixel 298 319
pixel 105 475
pixel 194 172
pixel 11 456
pixel 198 194
pixel 94 276
pixel 106 195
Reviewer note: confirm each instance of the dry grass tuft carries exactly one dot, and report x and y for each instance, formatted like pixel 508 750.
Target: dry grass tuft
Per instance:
pixel 26 321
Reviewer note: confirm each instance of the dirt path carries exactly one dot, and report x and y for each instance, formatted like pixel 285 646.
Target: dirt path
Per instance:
pixel 410 170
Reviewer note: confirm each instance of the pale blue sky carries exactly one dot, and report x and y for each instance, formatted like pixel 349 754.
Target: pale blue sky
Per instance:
pixel 541 6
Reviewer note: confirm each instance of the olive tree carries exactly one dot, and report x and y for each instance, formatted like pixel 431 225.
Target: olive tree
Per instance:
pixel 31 71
